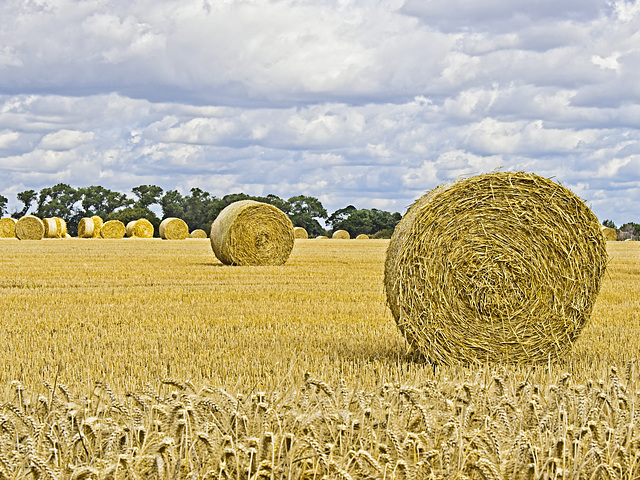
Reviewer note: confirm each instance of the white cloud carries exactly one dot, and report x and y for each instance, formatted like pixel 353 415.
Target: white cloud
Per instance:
pixel 65 139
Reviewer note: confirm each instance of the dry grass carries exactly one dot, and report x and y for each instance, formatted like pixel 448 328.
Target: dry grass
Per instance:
pixel 239 342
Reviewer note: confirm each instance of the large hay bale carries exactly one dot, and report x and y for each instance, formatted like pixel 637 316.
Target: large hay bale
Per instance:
pixel 173 229
pixel 50 227
pixel 29 227
pixel 609 234
pixel 141 228
pixel 86 228
pixel 341 235
pixel 97 225
pixel 252 233
pixel 113 229
pixel 499 267
pixel 7 227
pixel 199 233
pixel 362 236
pixel 300 233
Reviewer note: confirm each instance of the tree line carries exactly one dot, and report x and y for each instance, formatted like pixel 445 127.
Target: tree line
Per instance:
pixel 198 209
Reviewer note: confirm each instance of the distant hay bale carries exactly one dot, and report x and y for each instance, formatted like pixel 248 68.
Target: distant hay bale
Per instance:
pixel 62 227
pixel 252 233
pixel 97 225
pixel 50 227
pixel 86 228
pixel 500 267
pixel 362 236
pixel 113 229
pixel 7 227
pixel 300 233
pixel 173 229
pixel 322 237
pixel 341 235
pixel 30 227
pixel 141 228
pixel 199 233
pixel 609 234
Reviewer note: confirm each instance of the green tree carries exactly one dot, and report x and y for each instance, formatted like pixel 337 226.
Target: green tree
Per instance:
pixel 59 201
pixel 3 205
pixel 305 211
pixel 173 204
pixel 97 200
pixel 130 214
pixel 368 222
pixel 609 223
pixel 27 197
pixel 339 215
pixel 147 195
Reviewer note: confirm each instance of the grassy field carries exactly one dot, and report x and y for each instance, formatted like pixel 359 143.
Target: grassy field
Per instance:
pixel 150 359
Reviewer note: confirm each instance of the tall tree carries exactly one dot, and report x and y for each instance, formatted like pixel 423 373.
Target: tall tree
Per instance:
pixel 27 197
pixel 147 195
pixel 305 211
pixel 173 205
pixel 369 222
pixel 59 201
pixel 609 224
pixel 97 200
pixel 339 215
pixel 3 205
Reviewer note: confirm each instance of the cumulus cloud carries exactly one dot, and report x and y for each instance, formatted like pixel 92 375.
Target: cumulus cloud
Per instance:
pixel 358 102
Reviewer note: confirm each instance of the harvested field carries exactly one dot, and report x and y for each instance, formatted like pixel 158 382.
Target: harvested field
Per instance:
pixel 244 338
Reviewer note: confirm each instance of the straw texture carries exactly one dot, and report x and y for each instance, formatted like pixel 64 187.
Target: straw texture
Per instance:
pixel 199 233
pixel 29 227
pixel 252 233
pixel 173 229
pixel 300 233
pixel 141 228
pixel 113 229
pixel 97 225
pixel 86 228
pixel 7 227
pixel 50 227
pixel 609 234
pixel 341 235
pixel 500 267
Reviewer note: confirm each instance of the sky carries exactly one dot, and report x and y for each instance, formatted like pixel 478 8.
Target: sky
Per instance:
pixel 368 103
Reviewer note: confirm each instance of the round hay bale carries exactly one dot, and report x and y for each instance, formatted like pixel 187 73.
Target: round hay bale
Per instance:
pixel 113 229
pixel 173 229
pixel 500 267
pixel 86 228
pixel 30 227
pixel 199 233
pixel 141 228
pixel 362 236
pixel 252 233
pixel 322 237
pixel 341 235
pixel 61 226
pixel 300 233
pixel 97 225
pixel 609 234
pixel 50 227
pixel 7 227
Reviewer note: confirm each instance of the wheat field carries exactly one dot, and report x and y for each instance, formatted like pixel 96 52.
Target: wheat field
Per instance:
pixel 150 359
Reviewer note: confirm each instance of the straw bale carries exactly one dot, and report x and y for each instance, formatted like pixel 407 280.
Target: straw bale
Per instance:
pixel 141 228
pixel 322 237
pixel 362 236
pixel 341 235
pixel 86 228
pixel 300 233
pixel 173 229
pixel 113 229
pixel 50 227
pixel 609 234
pixel 501 267
pixel 29 227
pixel 61 225
pixel 97 225
pixel 252 233
pixel 199 233
pixel 7 227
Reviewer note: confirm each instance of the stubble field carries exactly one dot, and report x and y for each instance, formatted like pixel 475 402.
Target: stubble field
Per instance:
pixel 150 359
